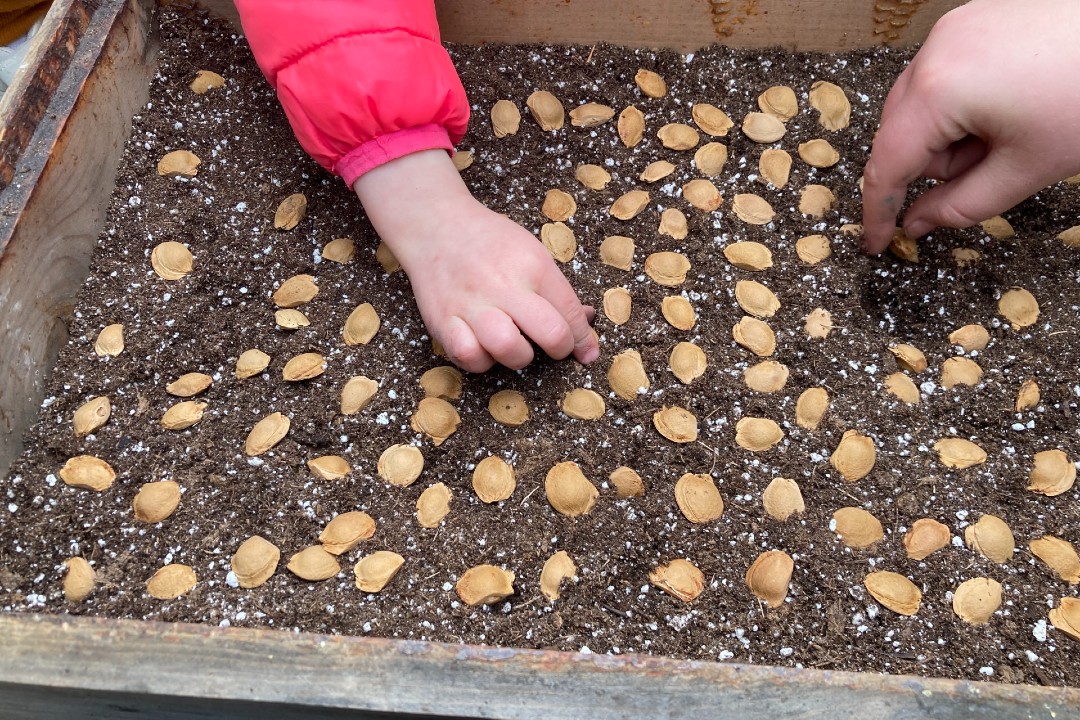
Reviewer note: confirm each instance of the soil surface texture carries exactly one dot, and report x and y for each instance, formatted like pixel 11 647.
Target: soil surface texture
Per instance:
pixel 204 321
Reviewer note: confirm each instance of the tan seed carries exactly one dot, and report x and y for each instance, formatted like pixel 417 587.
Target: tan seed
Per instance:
pixel 361 325
pixel 710 158
pixel 462 160
pixel 756 299
pixel 757 434
pixel 753 209
pixel 909 357
pixel 769 576
pixel 702 194
pixel 339 250
pixel 88 472
pixel 855 456
pixel 782 499
pixel 357 393
pixel 711 119
pixel 767 376
pixel 976 600
pixel 290 211
pixel 992 538
pixel 763 128
pixel 627 482
pixel 678 311
pixel 189 384
pixel 687 362
pixel 329 467
pixel 1019 307
pixel 110 341
pixel 171 581
pixel 832 104
pixel 857 528
pixel 904 247
pixel 677 424
pixel 960 371
pixel 559 239
pixel 267 433
pixel 546 110
pixel 811 407
pixel 493 479
pixel 626 376
pixel 673 223
pixel 1028 396
pixel 667 268
pixel 505 118
pixel 569 491
pixel 903 387
pixel 386 259
pixel 485 585
pixel 656 171
pixel 818 153
pixel 433 505
pixel 78 580
pixel 959 453
pixel 749 255
pixel 998 228
pixel 818 323
pixel 375 571
pixel 894 591
pixel 631 126
pixel 436 418
pixel 926 536
pixel 970 337
pixel 183 415
pixel 558 205
pixel 304 367
pixel 1059 555
pixel 617 251
pixel 508 407
pixel 650 83
pixel 680 579
pixel 755 336
pixel 401 464
pixel 179 163
pixel 296 291
pixel 156 501
pixel 591 115
pixel 965 256
pixel 813 249
pixel 171 260
pixel 780 102
pixel 91 415
pixel 617 305
pixel 1070 237
pixel 775 166
pixel 1052 473
pixel 557 568
pixel 444 382
pixel 291 319
pixel 593 177
pixel 314 564
pixel 698 498
pixel 816 200
pixel 678 136
pixel 628 205
pixel 255 561
pixel 582 404
pixel 206 80
pixel 1066 617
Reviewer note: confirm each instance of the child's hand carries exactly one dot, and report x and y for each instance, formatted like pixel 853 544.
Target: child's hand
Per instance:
pixel 482 282
pixel 990 105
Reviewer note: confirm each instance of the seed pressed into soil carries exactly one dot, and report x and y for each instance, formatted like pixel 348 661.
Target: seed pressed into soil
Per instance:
pixel 258 213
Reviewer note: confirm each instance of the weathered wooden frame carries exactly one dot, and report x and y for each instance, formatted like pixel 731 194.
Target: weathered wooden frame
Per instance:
pixel 64 125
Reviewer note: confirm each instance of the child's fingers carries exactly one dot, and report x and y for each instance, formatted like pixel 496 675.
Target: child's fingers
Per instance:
pixel 556 290
pixel 544 325
pixel 464 349
pixel 500 337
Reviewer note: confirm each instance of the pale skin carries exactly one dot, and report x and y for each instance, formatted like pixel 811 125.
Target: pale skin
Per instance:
pixel 484 285
pixel 990 106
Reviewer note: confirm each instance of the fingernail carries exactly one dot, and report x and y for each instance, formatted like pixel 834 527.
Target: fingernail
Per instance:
pixel 590 355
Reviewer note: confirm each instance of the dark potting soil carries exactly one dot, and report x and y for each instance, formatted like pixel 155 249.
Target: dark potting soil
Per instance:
pixel 203 322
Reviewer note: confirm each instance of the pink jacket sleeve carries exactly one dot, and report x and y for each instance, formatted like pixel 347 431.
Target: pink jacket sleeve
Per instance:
pixel 362 82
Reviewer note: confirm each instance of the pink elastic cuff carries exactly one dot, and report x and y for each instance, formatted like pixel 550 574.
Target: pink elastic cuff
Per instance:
pixel 391 146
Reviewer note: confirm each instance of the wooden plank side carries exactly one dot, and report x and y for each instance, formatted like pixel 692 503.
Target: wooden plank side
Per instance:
pixel 825 25
pixel 47 258
pixel 165 665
